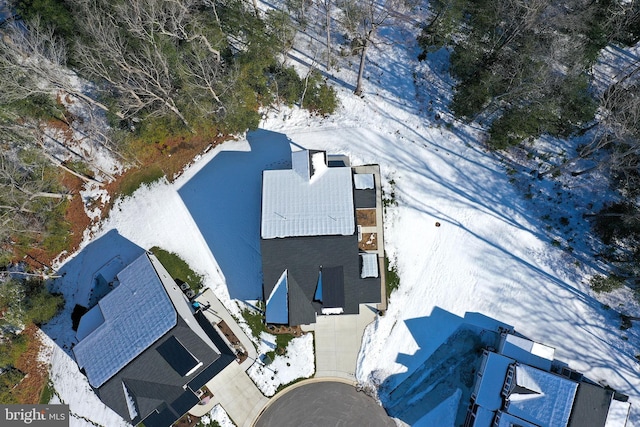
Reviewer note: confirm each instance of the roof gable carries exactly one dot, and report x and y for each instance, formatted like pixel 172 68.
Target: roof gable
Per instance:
pixel 277 305
pixel 541 397
pixel 136 314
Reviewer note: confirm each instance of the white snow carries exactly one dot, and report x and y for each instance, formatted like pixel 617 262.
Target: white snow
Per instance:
pixel 551 402
pixel 527 351
pixel 369 265
pixel 363 181
pixel 297 362
pixel 489 262
pixel 131 404
pixel 618 414
pixel 217 414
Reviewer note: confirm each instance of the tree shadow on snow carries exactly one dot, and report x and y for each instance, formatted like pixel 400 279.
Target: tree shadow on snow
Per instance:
pixel 84 280
pixel 224 199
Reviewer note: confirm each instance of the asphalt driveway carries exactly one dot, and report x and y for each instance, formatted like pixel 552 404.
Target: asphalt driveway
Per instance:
pixel 325 404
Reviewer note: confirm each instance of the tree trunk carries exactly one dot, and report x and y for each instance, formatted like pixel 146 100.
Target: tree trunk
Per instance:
pixel 58 196
pixel 363 58
pixel 328 25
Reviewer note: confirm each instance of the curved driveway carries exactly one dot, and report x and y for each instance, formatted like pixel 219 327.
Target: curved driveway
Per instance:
pixel 325 404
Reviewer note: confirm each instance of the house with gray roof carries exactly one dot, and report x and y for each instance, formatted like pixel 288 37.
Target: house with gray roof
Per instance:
pixel 517 385
pixel 145 350
pixel 316 260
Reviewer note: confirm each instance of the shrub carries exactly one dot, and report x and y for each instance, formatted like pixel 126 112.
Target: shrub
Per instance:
pixel 53 13
pixel 47 393
pixel 28 301
pixel 11 349
pixel 320 98
pixel 42 306
pixel 392 278
pixel 599 283
pixel 58 229
pixel 178 268
pixel 255 320
pixel 286 84
pixel 134 180
pixel 617 221
pixel 9 378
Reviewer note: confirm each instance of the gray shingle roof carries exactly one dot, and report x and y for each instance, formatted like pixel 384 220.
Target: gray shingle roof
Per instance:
pixel 333 287
pixel 302 257
pixel 591 406
pixel 156 386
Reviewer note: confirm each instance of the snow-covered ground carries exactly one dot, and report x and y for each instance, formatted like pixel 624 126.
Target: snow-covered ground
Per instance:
pixel 297 362
pixel 489 262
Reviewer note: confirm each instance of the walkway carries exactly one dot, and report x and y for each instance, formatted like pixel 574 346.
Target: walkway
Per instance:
pixel 232 388
pixel 337 342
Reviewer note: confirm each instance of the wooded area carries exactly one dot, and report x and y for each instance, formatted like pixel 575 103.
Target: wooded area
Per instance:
pixel 524 69
pixel 153 68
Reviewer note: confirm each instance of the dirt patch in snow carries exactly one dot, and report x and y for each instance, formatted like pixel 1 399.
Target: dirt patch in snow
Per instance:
pixel 36 372
pixel 366 217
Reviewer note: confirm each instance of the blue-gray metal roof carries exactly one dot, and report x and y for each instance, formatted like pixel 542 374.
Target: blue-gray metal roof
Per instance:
pixel 369 265
pixel 296 205
pixel 136 314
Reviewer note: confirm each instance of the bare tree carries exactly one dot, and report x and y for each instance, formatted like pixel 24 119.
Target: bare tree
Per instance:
pixel 28 192
pixel 367 16
pixel 327 6
pixel 32 62
pixel 135 48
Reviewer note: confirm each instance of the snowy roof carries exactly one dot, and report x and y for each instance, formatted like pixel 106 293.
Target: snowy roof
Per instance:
pixel 489 384
pixel 618 414
pixel 278 302
pixel 508 420
pixel 312 201
pixel 541 397
pixel 483 418
pixel 136 314
pixel 363 181
pixel 369 265
pixel 527 351
pixel 89 322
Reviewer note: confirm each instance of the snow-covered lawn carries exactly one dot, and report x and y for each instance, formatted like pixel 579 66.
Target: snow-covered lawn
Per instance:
pixel 297 362
pixel 488 263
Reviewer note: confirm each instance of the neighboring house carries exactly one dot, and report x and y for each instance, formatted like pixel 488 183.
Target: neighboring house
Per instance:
pixel 144 349
pixel 515 386
pixel 321 238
